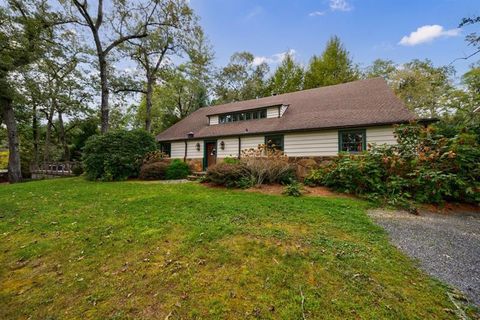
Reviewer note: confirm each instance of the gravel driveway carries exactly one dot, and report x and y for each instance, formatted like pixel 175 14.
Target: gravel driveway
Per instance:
pixel 447 246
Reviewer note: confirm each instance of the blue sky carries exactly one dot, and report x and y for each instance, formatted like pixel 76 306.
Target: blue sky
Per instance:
pixel 399 30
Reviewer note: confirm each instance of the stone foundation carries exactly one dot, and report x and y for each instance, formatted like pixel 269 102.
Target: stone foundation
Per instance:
pixel 195 165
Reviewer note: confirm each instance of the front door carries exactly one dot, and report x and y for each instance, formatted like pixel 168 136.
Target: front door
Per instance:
pixel 211 156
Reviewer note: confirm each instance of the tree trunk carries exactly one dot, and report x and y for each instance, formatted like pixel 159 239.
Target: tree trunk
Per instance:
pixel 63 140
pixel 35 135
pixel 148 113
pixel 48 136
pixel 14 165
pixel 104 111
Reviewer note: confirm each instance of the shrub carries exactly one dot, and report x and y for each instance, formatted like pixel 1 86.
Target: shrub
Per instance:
pixel 293 189
pixel 177 170
pixel 154 156
pixel 116 155
pixel 77 169
pixel 154 171
pixel 423 166
pixel 266 165
pixel 229 175
pixel 3 160
pixel 230 160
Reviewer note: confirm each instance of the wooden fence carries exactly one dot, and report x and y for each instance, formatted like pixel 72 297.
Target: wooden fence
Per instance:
pixel 52 169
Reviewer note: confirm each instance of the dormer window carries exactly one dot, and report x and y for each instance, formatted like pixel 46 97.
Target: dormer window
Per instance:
pixel 243 116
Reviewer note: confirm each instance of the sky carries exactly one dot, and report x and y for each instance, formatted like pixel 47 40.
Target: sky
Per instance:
pixel 399 30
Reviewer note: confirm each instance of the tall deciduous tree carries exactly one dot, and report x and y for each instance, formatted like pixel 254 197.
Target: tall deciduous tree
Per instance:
pixel 241 79
pixel 23 25
pixel 423 87
pixel 170 34
pixel 381 68
pixel 334 66
pixel 288 77
pixel 113 23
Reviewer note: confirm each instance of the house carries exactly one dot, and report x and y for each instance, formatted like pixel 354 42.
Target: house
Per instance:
pixel 315 123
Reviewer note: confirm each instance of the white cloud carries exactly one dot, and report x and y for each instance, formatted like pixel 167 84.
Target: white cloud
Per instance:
pixel 274 58
pixel 340 5
pixel 316 13
pixel 427 34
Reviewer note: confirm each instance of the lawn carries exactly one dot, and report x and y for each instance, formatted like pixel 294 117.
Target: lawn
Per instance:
pixel 73 249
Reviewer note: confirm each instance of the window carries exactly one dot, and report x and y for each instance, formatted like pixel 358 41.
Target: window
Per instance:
pixel 274 142
pixel 242 116
pixel 352 141
pixel 166 148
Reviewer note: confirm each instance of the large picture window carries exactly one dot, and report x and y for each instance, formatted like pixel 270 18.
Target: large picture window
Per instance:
pixel 352 140
pixel 274 142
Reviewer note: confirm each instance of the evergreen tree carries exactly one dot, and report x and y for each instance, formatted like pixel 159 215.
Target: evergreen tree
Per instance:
pixel 334 66
pixel 288 77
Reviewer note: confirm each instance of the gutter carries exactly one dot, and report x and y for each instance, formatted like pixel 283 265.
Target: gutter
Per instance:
pixel 424 121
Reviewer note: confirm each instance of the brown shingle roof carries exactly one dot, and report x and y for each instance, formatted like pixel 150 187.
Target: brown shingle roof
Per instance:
pixel 357 103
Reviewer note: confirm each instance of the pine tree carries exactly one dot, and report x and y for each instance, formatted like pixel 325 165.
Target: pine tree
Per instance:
pixel 288 77
pixel 334 66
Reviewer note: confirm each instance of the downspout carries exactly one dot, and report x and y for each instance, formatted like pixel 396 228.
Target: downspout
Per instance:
pixel 239 146
pixel 185 157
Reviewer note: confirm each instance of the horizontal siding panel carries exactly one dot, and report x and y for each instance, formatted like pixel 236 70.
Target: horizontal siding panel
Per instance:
pixel 177 150
pixel 231 148
pixel 322 143
pixel 192 152
pixel 213 120
pixel 252 142
pixel 272 112
pixel 381 135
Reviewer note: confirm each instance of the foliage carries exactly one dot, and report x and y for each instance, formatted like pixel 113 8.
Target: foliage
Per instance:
pixel 177 170
pixel 293 189
pixel 127 229
pixel 230 175
pixel 288 77
pixel 116 155
pixel 3 160
pixel 155 156
pixel 231 160
pixel 77 169
pixel 424 166
pixel 240 79
pixel 255 167
pixel 334 66
pixel 154 170
pixel 184 90
pixel 266 165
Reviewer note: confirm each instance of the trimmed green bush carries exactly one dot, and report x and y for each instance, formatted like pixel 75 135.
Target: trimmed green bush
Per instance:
pixel 116 155
pixel 154 171
pixel 177 170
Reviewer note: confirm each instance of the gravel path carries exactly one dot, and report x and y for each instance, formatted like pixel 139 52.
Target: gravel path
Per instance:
pixel 447 246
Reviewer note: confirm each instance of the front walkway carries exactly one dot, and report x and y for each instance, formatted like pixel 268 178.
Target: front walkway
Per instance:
pixel 446 245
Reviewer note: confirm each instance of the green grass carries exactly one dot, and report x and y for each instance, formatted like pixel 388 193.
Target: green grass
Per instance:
pixel 73 249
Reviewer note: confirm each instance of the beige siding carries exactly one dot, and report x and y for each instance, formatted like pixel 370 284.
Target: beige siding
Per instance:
pixel 272 112
pixel 231 147
pixel 213 120
pixel 249 142
pixel 192 152
pixel 283 109
pixel 381 135
pixel 321 143
pixel 178 150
